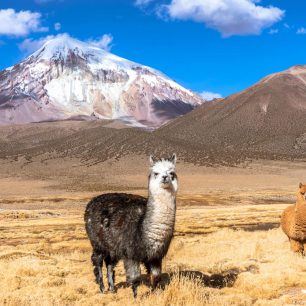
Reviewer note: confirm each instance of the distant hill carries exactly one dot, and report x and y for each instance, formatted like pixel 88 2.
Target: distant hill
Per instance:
pixel 267 120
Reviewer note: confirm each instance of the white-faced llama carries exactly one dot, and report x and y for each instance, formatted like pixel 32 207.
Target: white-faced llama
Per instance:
pixel 132 228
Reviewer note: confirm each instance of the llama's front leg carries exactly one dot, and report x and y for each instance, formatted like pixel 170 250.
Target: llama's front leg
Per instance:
pixel 97 261
pixel 132 270
pixel 110 273
pixel 155 268
pixel 296 246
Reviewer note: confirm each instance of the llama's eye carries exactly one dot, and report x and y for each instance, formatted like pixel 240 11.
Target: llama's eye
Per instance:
pixel 172 174
pixel 155 174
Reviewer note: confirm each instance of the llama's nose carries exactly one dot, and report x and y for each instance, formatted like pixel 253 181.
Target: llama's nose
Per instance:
pixel 165 178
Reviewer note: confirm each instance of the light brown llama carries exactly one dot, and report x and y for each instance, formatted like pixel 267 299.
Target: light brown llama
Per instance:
pixel 293 222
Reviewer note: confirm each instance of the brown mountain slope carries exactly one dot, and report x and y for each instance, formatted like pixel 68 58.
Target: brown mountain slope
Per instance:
pixel 266 120
pixel 93 142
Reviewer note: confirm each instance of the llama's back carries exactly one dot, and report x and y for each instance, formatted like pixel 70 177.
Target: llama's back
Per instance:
pixel 113 222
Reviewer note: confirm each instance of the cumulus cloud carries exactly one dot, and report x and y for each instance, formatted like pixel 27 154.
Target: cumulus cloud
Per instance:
pixel 57 26
pixel 103 42
pixel 229 17
pixel 208 96
pixel 30 45
pixel 21 23
pixel 301 31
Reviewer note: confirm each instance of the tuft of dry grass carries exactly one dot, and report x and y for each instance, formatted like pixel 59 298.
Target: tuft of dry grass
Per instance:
pixel 219 256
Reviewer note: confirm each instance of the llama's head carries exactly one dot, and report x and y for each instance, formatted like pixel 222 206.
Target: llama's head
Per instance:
pixel 302 188
pixel 162 175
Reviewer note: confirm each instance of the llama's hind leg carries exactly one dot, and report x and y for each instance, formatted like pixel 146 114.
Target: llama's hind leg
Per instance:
pixel 110 264
pixel 155 268
pixel 132 270
pixel 97 261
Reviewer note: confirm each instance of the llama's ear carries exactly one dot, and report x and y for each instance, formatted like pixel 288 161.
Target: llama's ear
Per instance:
pixel 152 160
pixel 173 158
pixel 301 185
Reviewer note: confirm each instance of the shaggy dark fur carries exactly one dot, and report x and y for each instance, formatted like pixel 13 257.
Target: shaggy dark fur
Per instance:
pixel 114 226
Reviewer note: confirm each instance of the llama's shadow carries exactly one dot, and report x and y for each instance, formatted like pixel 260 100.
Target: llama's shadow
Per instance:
pixel 216 280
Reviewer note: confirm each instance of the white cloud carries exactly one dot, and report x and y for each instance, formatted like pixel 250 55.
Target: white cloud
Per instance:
pixel 42 1
pixel 104 42
pixel 208 96
pixel 229 17
pixel 21 23
pixel 301 30
pixel 57 26
pixel 30 45
pixel 143 2
pixel 273 31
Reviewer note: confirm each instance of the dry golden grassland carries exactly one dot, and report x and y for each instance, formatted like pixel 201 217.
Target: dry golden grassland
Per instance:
pixel 221 255
pixel 228 248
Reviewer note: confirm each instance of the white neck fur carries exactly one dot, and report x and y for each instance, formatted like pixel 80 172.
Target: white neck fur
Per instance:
pixel 158 225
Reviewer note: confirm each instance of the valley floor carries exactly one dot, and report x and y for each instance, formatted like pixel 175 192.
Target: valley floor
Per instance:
pixel 228 248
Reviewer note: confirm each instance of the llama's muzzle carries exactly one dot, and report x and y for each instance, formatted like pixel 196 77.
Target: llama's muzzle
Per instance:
pixel 165 179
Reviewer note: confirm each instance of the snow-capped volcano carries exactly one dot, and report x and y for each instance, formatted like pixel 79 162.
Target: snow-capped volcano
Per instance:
pixel 67 78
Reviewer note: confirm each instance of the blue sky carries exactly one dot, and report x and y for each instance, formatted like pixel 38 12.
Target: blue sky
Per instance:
pixel 220 46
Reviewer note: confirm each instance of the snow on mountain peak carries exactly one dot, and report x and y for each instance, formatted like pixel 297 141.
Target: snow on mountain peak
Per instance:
pixel 67 77
pixel 63 45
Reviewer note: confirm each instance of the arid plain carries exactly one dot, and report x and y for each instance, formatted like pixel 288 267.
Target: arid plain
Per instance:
pixel 228 248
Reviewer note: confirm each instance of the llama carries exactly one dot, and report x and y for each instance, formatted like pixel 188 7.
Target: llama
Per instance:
pixel 293 222
pixel 133 228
